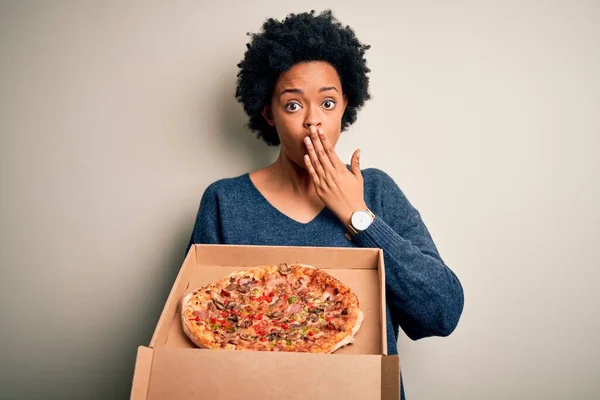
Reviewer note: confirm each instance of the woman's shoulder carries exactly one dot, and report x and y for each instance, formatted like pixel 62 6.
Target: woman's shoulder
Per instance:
pixel 227 185
pixel 381 186
pixel 377 177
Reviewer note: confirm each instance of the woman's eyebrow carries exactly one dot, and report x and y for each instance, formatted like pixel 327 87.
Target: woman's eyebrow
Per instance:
pixel 298 91
pixel 292 90
pixel 324 89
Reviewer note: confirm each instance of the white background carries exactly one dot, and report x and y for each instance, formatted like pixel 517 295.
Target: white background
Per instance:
pixel 115 116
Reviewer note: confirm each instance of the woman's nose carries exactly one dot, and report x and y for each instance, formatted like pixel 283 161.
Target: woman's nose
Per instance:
pixel 312 118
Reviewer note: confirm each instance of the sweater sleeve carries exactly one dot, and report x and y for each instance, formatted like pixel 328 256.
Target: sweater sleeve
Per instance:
pixel 425 297
pixel 207 227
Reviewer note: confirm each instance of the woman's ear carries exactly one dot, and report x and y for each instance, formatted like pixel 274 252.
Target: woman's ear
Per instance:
pixel 268 115
pixel 345 103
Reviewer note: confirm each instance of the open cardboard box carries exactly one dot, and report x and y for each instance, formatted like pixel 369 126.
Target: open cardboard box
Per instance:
pixel 172 367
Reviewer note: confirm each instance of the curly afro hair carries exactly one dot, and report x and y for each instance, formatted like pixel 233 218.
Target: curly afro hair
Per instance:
pixel 300 38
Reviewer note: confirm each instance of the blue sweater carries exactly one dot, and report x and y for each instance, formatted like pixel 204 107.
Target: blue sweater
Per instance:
pixel 424 297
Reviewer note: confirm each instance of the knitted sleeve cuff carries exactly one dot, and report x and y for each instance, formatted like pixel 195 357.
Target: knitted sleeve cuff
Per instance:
pixel 377 235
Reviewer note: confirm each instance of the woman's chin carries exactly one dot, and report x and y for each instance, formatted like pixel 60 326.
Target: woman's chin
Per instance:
pixel 300 163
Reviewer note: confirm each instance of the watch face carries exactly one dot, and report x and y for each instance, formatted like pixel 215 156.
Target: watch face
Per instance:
pixel 361 220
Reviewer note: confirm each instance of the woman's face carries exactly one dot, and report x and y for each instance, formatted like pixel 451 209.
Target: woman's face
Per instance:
pixel 307 94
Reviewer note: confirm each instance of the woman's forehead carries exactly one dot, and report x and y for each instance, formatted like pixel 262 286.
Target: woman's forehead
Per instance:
pixel 309 76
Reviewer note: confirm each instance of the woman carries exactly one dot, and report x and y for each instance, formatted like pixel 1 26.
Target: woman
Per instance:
pixel 301 82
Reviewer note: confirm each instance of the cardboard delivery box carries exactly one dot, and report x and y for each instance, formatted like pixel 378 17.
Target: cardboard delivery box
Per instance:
pixel 173 368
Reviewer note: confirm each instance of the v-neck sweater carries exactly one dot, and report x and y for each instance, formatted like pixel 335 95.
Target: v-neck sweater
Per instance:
pixel 424 297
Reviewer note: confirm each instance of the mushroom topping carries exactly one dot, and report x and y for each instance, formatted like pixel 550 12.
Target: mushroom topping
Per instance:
pixel 245 323
pixel 233 317
pixel 292 336
pixel 335 306
pixel 298 284
pixel 275 315
pixel 272 336
pixel 327 293
pixel 231 305
pixel 245 336
pixel 277 303
pixel 284 269
pixel 218 304
pixel 313 317
pixel 232 287
pixel 299 324
pixel 243 288
pixel 246 280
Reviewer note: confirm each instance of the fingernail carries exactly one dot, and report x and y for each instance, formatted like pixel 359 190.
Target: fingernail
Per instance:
pixel 307 140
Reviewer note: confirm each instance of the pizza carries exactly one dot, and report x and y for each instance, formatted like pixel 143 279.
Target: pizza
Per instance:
pixel 293 308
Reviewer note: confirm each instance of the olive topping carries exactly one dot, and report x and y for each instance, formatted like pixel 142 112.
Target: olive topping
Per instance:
pixel 345 311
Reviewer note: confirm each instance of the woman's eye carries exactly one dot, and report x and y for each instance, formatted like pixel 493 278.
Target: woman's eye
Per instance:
pixel 292 107
pixel 329 104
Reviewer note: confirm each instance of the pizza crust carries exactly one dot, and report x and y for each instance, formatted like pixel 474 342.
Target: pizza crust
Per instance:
pixel 186 329
pixel 349 339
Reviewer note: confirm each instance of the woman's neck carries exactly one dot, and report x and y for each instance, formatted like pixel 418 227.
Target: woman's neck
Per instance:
pixel 288 175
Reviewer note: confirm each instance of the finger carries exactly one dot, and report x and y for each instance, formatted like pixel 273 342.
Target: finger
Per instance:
pixel 329 150
pixel 311 169
pixel 314 159
pixel 316 141
pixel 355 164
